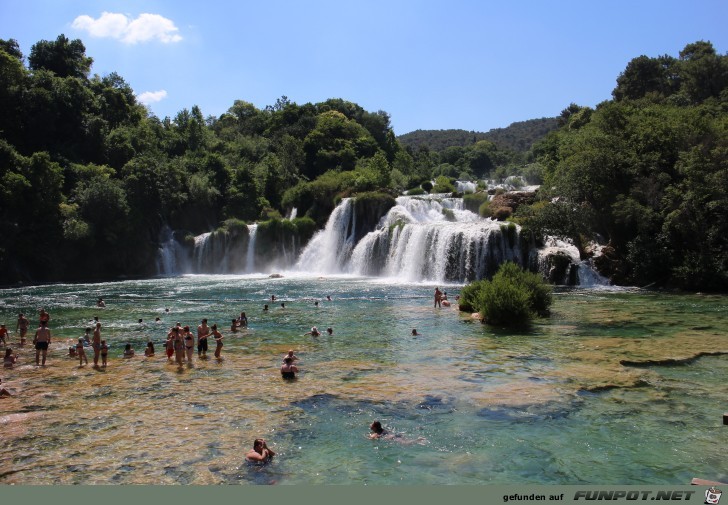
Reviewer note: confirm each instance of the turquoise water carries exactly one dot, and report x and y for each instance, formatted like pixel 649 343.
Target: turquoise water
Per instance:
pixel 469 404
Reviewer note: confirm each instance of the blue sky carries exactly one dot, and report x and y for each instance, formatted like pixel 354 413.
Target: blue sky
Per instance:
pixel 467 64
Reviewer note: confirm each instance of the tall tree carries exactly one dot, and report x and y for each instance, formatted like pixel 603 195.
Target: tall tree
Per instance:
pixel 63 57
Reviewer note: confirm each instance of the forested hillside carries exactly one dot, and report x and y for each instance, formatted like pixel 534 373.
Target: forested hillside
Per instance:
pixel 648 171
pixel 89 177
pixel 518 137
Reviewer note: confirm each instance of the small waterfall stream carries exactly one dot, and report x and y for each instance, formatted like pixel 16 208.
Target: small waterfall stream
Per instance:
pixel 250 254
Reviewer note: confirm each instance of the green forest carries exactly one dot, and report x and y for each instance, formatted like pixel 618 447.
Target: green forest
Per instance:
pixel 89 177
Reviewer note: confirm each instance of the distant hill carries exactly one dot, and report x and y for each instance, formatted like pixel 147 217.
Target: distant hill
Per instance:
pixel 517 137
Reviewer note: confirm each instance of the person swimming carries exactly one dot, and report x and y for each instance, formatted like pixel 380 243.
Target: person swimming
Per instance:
pixel 378 430
pixel 260 453
pixel 314 332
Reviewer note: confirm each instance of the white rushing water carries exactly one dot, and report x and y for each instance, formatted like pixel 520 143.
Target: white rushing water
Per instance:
pixel 250 255
pixel 431 238
pixel 422 238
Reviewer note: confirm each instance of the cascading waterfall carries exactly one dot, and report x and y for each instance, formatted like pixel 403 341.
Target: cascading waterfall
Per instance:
pixel 330 248
pixel 432 238
pixel 421 238
pixel 559 261
pixel 250 255
pixel 465 186
pixel 170 256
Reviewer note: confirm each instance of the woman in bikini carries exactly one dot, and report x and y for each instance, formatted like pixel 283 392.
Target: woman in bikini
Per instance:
pixel 189 344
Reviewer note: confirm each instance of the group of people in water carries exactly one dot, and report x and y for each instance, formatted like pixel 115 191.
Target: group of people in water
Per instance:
pixel 179 345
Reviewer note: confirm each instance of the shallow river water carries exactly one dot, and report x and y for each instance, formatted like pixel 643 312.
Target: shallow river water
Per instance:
pixel 587 396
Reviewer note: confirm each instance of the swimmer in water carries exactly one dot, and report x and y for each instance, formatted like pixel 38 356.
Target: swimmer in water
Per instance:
pixel 288 369
pixel 260 453
pixel 314 332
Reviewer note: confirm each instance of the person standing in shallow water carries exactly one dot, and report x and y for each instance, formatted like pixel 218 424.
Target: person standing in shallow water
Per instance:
pixel 22 327
pixel 288 369
pixel 81 353
pixel 202 332
pixel 96 343
pixel 438 297
pixel 218 340
pixel 42 340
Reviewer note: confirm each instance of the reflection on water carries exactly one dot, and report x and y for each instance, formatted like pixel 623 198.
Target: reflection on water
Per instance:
pixel 470 404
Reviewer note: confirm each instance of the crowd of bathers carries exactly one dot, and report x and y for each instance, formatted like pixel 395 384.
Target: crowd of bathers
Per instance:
pixel 179 345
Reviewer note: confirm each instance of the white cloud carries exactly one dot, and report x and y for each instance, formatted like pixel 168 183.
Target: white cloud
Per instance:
pixel 152 96
pixel 144 28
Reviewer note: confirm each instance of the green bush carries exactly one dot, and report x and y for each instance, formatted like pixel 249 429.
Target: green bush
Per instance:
pixel 416 191
pixel 484 209
pixel 504 302
pixel 471 296
pixel 473 201
pixel 443 185
pixel 511 298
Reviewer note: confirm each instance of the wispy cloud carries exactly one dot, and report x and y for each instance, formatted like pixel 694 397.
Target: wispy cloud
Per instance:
pixel 149 97
pixel 144 28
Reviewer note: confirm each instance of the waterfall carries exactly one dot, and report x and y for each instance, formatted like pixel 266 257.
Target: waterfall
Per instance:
pixel 170 255
pixel 420 238
pixel 465 186
pixel 293 214
pixel 201 253
pixel 250 255
pixel 559 262
pixel 329 249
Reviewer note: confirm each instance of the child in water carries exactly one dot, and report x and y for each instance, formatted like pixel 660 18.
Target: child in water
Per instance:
pixel 149 351
pixel 9 359
pixel 104 352
pixel 81 353
pixel 128 351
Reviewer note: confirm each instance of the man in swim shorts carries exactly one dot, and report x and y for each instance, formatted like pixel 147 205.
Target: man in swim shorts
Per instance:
pixel 202 332
pixel 42 340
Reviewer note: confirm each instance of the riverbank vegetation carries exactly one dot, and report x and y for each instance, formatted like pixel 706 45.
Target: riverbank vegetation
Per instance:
pixel 512 298
pixel 89 177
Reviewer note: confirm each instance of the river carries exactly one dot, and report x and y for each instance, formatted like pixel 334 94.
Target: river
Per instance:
pixel 582 397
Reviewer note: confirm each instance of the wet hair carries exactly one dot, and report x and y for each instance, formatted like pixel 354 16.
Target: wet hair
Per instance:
pixel 8 352
pixel 258 442
pixel 150 345
pixel 214 326
pixel 288 360
pixel 377 427
pixel 187 328
pixel 128 346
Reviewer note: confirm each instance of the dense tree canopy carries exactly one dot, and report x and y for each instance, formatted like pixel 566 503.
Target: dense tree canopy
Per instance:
pixel 648 171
